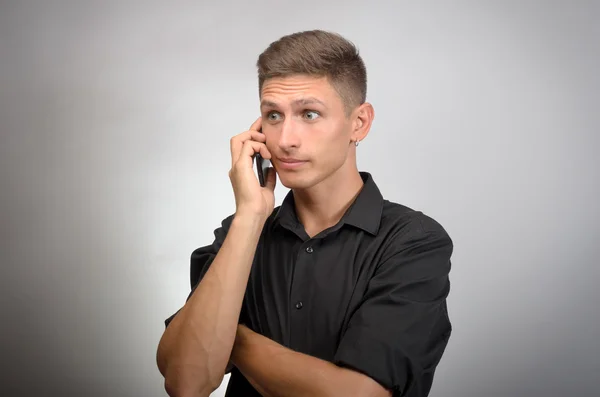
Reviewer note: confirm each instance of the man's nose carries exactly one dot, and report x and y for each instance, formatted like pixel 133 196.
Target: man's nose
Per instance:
pixel 288 137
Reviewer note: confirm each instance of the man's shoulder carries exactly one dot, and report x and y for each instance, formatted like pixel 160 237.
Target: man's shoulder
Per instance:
pixel 406 231
pixel 406 220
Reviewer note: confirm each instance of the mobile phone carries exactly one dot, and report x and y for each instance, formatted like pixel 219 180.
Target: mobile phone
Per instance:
pixel 262 167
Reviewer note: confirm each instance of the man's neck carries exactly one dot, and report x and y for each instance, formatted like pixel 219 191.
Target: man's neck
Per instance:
pixel 322 206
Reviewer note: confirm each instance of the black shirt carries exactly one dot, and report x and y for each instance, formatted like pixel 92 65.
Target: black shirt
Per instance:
pixel 368 293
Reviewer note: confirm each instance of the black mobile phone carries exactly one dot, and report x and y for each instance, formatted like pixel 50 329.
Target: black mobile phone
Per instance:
pixel 262 168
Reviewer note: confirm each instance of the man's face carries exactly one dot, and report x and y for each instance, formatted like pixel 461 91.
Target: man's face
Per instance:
pixel 307 131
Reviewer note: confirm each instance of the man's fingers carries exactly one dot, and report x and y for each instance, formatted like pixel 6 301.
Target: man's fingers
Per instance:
pixel 257 125
pixel 257 136
pixel 237 143
pixel 249 149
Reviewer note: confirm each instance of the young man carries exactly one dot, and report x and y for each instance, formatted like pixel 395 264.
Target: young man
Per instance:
pixel 337 292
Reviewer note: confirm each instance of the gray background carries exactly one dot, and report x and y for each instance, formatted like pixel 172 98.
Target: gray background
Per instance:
pixel 115 119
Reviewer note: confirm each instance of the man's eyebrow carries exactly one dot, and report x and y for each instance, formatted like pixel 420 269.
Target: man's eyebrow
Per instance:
pixel 308 101
pixel 268 104
pixel 297 102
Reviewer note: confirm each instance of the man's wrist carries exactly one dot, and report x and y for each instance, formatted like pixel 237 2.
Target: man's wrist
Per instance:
pixel 249 221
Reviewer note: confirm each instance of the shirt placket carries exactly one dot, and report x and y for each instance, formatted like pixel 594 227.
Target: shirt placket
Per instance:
pixel 299 299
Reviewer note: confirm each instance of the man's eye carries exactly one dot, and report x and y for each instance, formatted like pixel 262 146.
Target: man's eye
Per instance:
pixel 311 114
pixel 273 116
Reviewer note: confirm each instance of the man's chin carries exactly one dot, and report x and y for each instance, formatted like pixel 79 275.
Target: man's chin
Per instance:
pixel 295 181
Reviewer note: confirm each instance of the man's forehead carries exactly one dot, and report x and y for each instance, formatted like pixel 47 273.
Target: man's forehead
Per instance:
pixel 295 83
pixel 296 90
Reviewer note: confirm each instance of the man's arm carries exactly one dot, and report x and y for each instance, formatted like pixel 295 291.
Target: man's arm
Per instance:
pixel 195 348
pixel 276 371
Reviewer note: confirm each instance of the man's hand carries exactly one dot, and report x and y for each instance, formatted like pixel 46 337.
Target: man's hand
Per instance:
pixel 250 197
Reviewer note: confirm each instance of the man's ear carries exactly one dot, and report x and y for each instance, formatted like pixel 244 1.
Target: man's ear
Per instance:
pixel 363 119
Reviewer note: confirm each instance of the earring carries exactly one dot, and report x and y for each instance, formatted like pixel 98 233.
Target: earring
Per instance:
pixel 356 142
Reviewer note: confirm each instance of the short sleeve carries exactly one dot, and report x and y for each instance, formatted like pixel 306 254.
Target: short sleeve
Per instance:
pixel 203 257
pixel 400 330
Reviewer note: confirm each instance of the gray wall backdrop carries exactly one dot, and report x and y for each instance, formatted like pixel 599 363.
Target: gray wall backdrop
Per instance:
pixel 115 120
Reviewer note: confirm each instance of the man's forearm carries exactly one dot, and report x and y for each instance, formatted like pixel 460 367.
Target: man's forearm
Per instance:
pixel 196 346
pixel 276 371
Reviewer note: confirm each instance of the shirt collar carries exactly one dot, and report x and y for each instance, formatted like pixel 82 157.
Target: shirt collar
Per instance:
pixel 364 213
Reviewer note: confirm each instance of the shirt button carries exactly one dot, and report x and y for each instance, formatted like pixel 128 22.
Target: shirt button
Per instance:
pixel 299 305
pixel 309 250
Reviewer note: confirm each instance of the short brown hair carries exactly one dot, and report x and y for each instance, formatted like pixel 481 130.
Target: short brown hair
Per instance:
pixel 321 54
